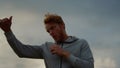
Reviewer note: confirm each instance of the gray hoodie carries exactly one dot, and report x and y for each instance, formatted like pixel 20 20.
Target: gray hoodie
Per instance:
pixel 80 57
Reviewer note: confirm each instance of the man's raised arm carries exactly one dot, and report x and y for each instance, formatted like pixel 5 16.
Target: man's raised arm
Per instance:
pixel 20 49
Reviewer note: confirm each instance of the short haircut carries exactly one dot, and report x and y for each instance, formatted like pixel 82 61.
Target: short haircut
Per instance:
pixel 53 18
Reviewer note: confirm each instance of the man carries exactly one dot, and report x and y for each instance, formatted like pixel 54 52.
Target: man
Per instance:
pixel 66 52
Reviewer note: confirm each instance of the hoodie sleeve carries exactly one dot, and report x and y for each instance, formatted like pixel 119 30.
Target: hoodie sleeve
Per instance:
pixel 85 60
pixel 23 51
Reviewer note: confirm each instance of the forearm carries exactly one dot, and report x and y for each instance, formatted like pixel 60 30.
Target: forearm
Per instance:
pixel 80 63
pixel 13 43
pixel 77 62
pixel 20 49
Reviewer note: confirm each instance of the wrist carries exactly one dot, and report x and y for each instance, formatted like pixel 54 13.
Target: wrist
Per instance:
pixel 66 54
pixel 8 30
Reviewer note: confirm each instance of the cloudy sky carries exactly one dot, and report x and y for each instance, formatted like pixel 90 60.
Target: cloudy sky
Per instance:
pixel 97 21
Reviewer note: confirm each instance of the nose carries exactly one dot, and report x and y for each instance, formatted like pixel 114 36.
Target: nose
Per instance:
pixel 51 32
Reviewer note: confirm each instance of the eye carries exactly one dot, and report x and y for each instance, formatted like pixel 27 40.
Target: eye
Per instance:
pixel 51 28
pixel 47 31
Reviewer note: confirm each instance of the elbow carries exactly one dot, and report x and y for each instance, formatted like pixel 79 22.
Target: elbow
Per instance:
pixel 92 65
pixel 88 65
pixel 20 56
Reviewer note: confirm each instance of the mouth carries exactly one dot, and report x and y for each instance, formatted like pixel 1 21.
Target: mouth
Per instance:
pixel 54 37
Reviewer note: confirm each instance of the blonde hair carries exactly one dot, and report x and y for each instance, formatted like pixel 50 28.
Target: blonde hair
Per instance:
pixel 53 18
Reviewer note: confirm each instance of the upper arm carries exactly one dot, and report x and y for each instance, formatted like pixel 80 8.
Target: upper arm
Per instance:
pixel 86 52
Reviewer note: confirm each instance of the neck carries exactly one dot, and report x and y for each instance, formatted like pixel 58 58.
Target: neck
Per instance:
pixel 63 38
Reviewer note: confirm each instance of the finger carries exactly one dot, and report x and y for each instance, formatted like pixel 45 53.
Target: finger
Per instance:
pixel 53 46
pixel 10 18
pixel 53 52
pixel 52 49
pixel 56 46
pixel 4 20
pixel 0 20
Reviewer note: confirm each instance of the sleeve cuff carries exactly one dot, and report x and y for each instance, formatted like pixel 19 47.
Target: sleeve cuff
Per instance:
pixel 72 59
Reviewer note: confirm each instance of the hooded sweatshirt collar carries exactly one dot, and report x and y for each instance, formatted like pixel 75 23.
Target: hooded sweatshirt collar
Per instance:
pixel 70 39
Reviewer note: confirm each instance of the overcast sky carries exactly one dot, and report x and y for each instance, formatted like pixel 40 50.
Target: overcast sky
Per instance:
pixel 97 21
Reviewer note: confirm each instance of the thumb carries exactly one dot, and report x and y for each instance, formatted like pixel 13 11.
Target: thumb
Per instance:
pixel 10 18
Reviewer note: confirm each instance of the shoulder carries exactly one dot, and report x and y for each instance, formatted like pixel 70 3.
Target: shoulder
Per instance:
pixel 49 43
pixel 82 41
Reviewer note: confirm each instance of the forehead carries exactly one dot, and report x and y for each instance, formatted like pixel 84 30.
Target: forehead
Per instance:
pixel 49 25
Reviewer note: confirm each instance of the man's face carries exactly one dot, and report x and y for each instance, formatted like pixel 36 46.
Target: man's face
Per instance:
pixel 55 30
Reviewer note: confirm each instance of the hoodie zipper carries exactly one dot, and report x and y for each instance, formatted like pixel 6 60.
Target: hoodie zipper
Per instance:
pixel 61 58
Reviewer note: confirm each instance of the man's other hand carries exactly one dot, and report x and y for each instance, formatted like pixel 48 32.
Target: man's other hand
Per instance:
pixel 5 24
pixel 56 49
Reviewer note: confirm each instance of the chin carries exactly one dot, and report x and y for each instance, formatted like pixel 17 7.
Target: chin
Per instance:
pixel 57 41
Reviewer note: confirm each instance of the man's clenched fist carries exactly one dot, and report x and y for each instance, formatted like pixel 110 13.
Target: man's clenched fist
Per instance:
pixel 56 49
pixel 5 24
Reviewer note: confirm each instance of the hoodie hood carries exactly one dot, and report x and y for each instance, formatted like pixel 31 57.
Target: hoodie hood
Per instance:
pixel 70 39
